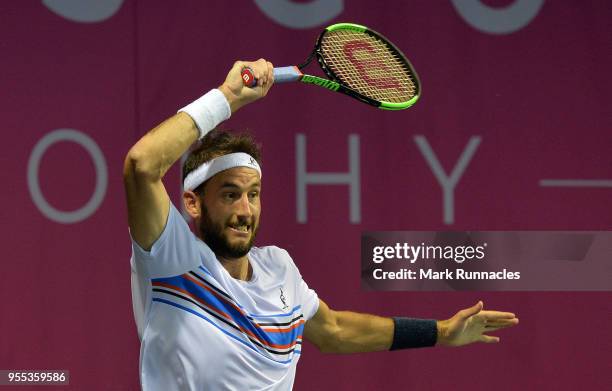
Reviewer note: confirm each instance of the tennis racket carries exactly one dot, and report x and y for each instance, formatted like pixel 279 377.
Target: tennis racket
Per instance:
pixel 360 63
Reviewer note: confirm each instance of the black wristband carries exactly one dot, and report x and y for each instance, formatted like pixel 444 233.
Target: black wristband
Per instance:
pixel 414 333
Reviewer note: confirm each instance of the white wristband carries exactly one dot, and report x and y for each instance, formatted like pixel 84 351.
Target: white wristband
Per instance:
pixel 208 111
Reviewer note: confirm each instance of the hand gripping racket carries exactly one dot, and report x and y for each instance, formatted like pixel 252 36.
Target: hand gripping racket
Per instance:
pixel 360 63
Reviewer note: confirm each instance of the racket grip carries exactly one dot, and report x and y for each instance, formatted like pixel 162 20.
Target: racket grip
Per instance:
pixel 287 74
pixel 281 75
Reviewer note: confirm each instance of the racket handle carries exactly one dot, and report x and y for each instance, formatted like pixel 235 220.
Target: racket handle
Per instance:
pixel 287 74
pixel 281 75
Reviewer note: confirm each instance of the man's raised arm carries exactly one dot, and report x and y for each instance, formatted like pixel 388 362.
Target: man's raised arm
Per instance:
pixel 151 157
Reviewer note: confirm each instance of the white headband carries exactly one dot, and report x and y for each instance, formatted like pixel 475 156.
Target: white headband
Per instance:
pixel 218 164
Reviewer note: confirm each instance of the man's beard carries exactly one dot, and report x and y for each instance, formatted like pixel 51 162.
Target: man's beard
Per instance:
pixel 213 235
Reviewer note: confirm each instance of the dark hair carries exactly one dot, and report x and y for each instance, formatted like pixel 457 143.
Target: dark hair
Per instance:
pixel 218 143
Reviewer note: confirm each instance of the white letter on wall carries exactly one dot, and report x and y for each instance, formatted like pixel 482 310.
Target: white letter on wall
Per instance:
pixel 84 11
pixel 328 178
pixel 301 16
pixel 448 183
pixel 505 20
pixel 101 176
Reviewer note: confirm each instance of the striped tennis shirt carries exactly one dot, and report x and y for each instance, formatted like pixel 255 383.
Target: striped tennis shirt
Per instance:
pixel 201 329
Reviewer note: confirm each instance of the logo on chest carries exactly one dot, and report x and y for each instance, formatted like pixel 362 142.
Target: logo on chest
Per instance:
pixel 283 299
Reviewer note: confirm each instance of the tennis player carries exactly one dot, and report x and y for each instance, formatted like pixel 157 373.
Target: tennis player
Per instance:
pixel 215 312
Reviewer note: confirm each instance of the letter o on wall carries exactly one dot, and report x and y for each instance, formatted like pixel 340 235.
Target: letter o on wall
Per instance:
pixel 301 16
pixel 504 20
pixel 67 217
pixel 84 11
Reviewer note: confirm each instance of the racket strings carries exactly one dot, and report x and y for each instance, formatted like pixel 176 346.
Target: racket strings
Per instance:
pixel 367 65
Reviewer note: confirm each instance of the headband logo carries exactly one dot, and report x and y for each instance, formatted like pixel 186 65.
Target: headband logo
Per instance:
pixel 252 161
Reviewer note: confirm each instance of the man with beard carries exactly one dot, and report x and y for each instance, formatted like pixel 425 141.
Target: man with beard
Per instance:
pixel 213 311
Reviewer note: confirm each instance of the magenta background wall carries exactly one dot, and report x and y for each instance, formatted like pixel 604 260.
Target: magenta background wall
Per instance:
pixel 537 98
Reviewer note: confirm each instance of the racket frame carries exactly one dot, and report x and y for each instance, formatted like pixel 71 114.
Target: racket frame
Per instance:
pixel 334 83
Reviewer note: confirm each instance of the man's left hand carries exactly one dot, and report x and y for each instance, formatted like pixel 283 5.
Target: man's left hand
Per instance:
pixel 470 325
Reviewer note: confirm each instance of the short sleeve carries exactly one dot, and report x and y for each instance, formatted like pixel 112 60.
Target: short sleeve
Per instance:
pixel 176 251
pixel 308 298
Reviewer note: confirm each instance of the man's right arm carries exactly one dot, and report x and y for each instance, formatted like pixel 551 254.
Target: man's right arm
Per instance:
pixel 143 170
pixel 151 157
